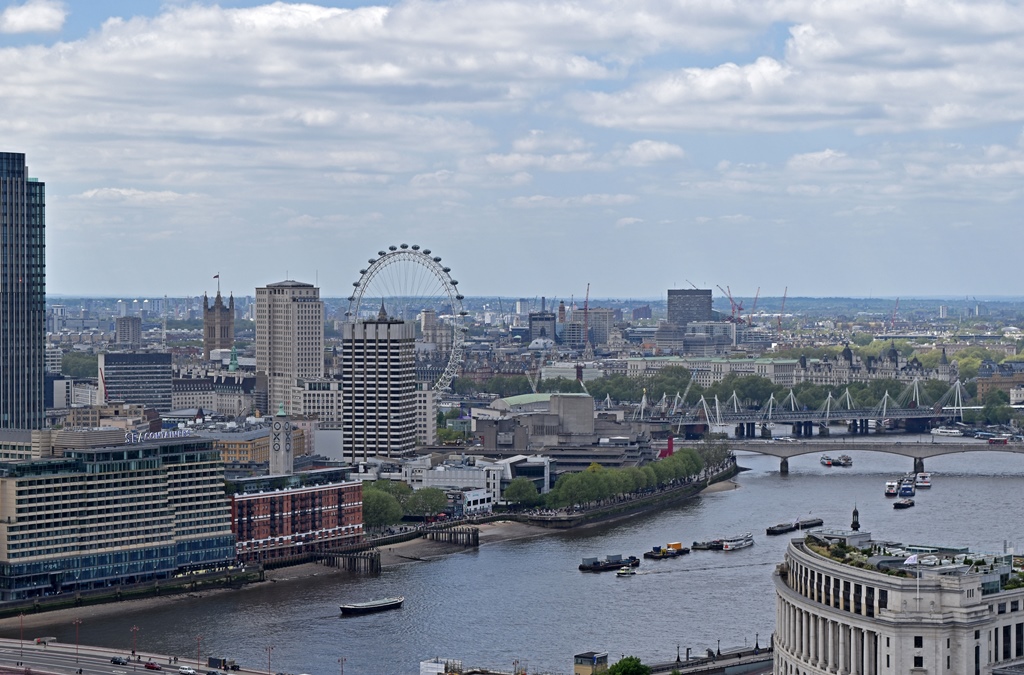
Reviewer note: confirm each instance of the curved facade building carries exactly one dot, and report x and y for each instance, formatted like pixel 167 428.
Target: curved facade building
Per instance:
pixel 874 614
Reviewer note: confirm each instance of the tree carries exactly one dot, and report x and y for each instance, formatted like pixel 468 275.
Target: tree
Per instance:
pixel 79 364
pixel 380 509
pixel 426 502
pixel 397 489
pixel 522 491
pixel 629 665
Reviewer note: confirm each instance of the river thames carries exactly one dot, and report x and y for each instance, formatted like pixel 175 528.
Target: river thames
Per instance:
pixel 525 601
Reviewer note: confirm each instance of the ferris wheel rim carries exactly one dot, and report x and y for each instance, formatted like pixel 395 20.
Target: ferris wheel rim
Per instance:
pixel 423 258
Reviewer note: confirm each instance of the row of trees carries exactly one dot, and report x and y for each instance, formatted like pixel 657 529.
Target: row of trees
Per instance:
pixel 598 483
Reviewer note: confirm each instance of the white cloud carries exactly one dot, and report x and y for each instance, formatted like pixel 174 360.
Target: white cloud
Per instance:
pixel 136 197
pixel 35 16
pixel 645 152
pixel 628 222
pixel 547 201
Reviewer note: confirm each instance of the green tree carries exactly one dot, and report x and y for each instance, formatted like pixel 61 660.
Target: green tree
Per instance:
pixel 629 665
pixel 522 491
pixel 79 364
pixel 380 509
pixel 426 502
pixel 397 489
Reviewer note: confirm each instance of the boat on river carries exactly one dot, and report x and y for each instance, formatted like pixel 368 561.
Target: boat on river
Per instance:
pixel 892 488
pixel 672 550
pixel 713 545
pixel 907 488
pixel 373 606
pixel 625 571
pixel 825 460
pixel 737 542
pixel 903 503
pixel 612 562
pixel 923 480
pixel 802 524
pixel 843 460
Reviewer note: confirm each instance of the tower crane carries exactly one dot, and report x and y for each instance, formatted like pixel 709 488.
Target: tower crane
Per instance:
pixel 736 307
pixel 754 308
pixel 783 310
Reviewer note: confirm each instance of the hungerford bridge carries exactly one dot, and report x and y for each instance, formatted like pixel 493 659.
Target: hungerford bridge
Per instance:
pixel 907 410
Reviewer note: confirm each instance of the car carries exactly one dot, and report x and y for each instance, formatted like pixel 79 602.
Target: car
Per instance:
pixel 119 661
pixel 153 665
pixel 186 670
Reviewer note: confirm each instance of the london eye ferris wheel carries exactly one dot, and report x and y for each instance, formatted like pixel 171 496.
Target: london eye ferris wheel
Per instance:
pixel 412 284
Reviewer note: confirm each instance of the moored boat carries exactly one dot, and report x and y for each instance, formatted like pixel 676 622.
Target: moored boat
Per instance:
pixel 903 504
pixel 843 460
pixel 672 550
pixel 892 488
pixel 612 562
pixel 781 528
pixel 809 522
pixel 825 460
pixel 713 545
pixel 373 605
pixel 923 480
pixel 907 488
pixel 737 542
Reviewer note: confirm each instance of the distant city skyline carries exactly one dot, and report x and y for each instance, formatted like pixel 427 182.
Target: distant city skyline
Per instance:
pixel 831 149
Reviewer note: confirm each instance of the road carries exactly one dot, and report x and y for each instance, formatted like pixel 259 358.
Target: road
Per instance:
pixel 66 659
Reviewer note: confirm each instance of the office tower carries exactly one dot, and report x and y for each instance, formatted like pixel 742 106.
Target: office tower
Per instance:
pixel 378 381
pixel 22 295
pixel 218 324
pixel 282 454
pixel 289 338
pixel 128 332
pixel 143 378
pixel 687 305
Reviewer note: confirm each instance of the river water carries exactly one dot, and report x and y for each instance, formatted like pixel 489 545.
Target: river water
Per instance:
pixel 525 600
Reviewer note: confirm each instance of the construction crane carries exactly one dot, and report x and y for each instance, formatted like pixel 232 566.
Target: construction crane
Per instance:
pixel 783 310
pixel 737 308
pixel 753 309
pixel 892 321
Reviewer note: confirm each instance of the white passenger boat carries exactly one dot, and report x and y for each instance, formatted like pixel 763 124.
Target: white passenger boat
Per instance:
pixel 826 460
pixel 892 488
pixel 923 480
pixel 943 431
pixel 739 541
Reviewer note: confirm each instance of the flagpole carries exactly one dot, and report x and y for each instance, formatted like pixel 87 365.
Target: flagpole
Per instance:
pixel 917 565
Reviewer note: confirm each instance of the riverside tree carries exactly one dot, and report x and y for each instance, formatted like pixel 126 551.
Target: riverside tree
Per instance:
pixel 380 509
pixel 522 491
pixel 629 665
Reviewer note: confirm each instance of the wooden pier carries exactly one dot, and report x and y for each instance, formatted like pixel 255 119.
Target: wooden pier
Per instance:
pixel 362 562
pixel 460 536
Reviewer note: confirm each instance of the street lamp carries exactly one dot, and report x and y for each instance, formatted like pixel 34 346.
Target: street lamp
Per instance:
pixel 341 662
pixel 77 622
pixel 270 650
pixel 21 623
pixel 719 653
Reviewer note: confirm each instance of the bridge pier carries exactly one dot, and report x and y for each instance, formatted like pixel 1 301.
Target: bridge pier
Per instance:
pixel 918 465
pixel 784 466
pixel 797 429
pixel 741 430
pixel 863 426
pixel 808 429
pixel 750 429
pixel 823 430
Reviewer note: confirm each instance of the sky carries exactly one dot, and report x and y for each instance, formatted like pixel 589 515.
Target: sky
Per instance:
pixel 847 148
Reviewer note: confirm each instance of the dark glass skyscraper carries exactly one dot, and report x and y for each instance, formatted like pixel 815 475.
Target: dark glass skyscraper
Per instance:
pixel 22 295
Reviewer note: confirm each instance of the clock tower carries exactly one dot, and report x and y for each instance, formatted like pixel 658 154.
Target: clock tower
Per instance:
pixel 281 455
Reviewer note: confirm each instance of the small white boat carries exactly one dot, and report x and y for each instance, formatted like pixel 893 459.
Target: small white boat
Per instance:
pixel 625 571
pixel 739 541
pixel 892 488
pixel 943 431
pixel 923 480
pixel 826 460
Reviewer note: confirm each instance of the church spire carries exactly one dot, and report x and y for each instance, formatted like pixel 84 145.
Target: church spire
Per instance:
pixel 382 315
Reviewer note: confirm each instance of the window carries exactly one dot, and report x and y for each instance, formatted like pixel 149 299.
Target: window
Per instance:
pixel 918 641
pixel 919 662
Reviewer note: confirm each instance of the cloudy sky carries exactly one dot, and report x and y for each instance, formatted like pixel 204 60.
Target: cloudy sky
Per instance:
pixel 834 148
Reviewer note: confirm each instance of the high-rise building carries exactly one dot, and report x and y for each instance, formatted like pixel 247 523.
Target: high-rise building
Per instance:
pixel 143 378
pixel 115 514
pixel 289 338
pixel 689 304
pixel 128 332
pixel 218 324
pixel 23 290
pixel 378 383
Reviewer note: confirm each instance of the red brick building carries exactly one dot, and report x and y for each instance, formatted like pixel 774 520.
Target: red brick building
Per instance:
pixel 289 521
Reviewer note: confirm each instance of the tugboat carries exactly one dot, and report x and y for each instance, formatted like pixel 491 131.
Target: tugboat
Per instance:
pixel 903 504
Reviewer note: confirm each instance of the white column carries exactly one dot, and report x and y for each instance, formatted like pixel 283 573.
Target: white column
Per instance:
pixel 856 665
pixel 844 649
pixel 872 649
